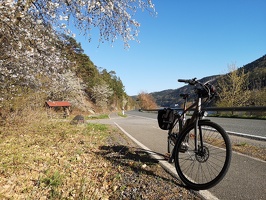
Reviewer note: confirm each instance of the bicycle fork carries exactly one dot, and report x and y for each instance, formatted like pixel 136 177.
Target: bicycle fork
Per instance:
pixel 198 130
pixel 198 133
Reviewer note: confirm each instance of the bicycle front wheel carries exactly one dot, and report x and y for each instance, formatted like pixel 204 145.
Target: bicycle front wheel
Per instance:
pixel 204 167
pixel 172 136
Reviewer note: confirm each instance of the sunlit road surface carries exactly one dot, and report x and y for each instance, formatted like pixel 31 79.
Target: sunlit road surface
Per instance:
pixel 245 179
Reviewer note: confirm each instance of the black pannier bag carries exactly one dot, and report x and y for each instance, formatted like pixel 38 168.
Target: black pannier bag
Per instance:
pixel 166 118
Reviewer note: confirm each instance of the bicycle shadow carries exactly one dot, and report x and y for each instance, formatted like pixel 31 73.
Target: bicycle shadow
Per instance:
pixel 135 159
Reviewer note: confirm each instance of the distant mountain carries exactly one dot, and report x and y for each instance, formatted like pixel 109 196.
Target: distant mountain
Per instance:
pixel 257 80
pixel 169 98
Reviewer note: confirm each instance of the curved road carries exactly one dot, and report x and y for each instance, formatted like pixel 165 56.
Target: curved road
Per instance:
pixel 246 126
pixel 246 176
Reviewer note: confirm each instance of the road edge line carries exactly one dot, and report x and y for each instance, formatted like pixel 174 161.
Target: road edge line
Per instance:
pixel 245 135
pixel 167 166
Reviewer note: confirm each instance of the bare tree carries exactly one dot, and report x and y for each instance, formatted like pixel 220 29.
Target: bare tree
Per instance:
pixel 146 101
pixel 233 88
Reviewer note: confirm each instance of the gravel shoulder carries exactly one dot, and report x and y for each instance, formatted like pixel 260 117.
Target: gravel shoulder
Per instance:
pixel 142 177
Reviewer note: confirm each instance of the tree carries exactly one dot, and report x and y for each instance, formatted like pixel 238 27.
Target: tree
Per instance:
pixel 117 87
pixel 258 97
pixel 31 57
pixel 101 94
pixel 34 55
pixel 71 45
pixel 233 88
pixel 146 101
pixel 113 18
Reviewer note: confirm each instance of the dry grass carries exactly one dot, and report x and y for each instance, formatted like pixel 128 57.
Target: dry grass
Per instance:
pixel 250 150
pixel 51 159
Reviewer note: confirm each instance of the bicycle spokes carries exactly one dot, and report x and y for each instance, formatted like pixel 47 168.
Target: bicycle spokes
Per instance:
pixel 202 166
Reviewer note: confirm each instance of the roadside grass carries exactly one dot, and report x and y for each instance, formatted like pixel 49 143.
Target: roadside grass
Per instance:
pixel 242 147
pixel 121 114
pixel 104 116
pixel 101 116
pixel 240 116
pixel 53 160
pixel 250 150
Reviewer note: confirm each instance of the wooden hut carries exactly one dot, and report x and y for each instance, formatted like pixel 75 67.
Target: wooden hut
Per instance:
pixel 57 106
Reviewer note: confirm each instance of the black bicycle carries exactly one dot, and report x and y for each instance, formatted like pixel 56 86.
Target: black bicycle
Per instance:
pixel 200 148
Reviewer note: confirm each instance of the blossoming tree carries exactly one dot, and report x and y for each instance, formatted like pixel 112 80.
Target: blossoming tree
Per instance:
pixel 31 44
pixel 113 18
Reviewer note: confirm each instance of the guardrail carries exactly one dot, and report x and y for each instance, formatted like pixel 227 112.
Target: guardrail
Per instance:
pixel 229 109
pixel 249 108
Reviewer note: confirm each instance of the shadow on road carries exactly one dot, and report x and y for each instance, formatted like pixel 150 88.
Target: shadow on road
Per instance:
pixel 136 160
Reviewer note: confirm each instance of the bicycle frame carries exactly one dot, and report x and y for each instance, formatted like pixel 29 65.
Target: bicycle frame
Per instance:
pixel 191 147
pixel 196 116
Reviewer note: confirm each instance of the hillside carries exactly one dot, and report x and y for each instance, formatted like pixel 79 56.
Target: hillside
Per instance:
pixel 40 61
pixel 257 80
pixel 257 73
pixel 168 98
pixel 58 71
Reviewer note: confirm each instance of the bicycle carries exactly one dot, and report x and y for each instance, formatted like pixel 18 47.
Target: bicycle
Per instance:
pixel 200 148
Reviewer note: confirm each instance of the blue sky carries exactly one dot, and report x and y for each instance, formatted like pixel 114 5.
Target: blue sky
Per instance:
pixel 187 39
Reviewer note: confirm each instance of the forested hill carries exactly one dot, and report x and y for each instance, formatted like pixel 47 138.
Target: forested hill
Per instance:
pixel 259 63
pixel 256 77
pixel 257 73
pixel 168 98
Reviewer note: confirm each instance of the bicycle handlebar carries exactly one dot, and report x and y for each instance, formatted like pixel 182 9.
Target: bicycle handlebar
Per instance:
pixel 182 80
pixel 206 90
pixel 189 81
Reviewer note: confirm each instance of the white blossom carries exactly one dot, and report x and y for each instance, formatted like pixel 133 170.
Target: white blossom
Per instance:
pixel 63 17
pixel 39 21
pixel 29 52
pixel 110 17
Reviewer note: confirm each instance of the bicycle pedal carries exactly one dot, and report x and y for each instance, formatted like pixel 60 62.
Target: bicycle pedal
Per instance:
pixel 170 160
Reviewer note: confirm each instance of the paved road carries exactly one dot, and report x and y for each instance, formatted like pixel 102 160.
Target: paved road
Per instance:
pixel 246 126
pixel 244 180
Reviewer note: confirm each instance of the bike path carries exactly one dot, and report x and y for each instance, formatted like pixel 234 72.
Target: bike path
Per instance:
pixel 245 179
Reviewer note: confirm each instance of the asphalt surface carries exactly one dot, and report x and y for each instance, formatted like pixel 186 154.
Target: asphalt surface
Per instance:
pixel 246 177
pixel 247 126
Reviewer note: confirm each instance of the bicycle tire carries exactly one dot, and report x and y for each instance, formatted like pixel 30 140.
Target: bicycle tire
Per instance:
pixel 205 170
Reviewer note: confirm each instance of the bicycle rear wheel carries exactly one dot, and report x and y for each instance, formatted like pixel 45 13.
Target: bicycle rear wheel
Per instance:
pixel 205 168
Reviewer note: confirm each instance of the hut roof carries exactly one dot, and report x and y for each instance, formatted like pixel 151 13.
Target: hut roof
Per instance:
pixel 58 103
